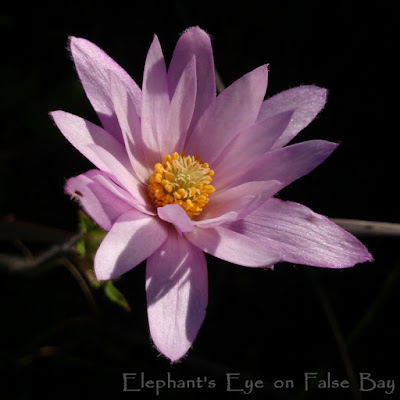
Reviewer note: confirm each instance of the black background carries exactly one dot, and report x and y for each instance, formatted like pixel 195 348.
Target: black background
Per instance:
pixel 262 324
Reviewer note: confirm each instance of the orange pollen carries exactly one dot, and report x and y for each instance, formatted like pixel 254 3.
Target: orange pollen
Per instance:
pixel 183 180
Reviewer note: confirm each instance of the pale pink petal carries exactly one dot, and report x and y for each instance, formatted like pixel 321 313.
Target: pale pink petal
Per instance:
pixel 242 199
pixel 132 239
pixel 102 150
pixel 176 215
pixel 93 66
pixel 155 100
pixel 248 147
pixel 307 101
pixel 301 236
pixel 181 111
pixel 177 295
pixel 287 164
pixel 143 206
pixel 103 206
pixel 213 222
pixel 130 124
pixel 233 247
pixel 122 175
pixel 194 42
pixel 83 135
pixel 234 109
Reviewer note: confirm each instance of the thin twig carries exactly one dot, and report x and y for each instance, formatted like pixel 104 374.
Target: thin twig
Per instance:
pixel 23 265
pixel 81 282
pixel 390 284
pixel 24 249
pixel 340 341
pixel 370 228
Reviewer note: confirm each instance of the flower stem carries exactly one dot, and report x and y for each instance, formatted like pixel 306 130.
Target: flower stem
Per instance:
pixel 368 228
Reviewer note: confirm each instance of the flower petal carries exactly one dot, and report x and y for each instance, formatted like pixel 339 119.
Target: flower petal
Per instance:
pixel 194 42
pixel 177 295
pixel 124 176
pixel 83 135
pixel 93 66
pixel 107 181
pixel 132 239
pixel 307 101
pixel 286 164
pixel 256 141
pixel 177 216
pixel 242 199
pixel 103 206
pixel 155 99
pixel 232 246
pixel 233 110
pixel 102 150
pixel 130 124
pixel 301 236
pixel 216 221
pixel 180 111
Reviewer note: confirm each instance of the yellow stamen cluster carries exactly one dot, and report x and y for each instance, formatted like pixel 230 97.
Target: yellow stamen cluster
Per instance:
pixel 183 180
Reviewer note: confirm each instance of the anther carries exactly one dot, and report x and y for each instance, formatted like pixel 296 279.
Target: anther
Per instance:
pixel 183 180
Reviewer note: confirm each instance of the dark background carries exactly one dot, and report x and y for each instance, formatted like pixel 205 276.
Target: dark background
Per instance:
pixel 264 325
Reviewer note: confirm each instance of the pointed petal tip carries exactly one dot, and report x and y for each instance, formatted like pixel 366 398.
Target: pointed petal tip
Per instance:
pixel 260 70
pixel 155 41
pixel 323 146
pixel 56 114
pixel 360 257
pixel 323 91
pixel 195 30
pixel 363 256
pixel 368 256
pixel 173 357
pixel 75 42
pixel 317 95
pixel 320 93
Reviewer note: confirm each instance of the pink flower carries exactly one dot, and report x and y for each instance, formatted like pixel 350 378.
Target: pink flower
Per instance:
pixel 181 172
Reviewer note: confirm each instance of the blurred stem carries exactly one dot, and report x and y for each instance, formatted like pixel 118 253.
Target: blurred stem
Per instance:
pixel 24 250
pixel 81 282
pixel 389 284
pixel 340 341
pixel 370 228
pixel 34 265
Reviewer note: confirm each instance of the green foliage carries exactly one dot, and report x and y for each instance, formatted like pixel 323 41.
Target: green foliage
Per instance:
pixel 115 295
pixel 86 247
pixel 92 236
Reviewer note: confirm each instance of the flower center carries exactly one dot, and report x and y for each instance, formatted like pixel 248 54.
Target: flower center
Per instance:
pixel 183 180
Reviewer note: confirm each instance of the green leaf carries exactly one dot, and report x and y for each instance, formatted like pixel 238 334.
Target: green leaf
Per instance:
pixel 92 236
pixel 80 247
pixel 115 295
